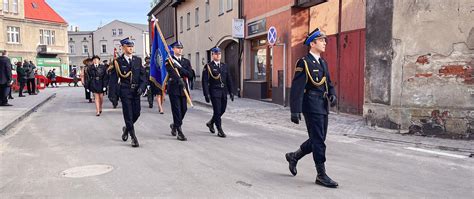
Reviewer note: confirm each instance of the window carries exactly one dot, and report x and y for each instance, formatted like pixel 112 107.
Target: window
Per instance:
pixel 85 49
pixel 221 7
pixel 114 32
pixel 104 48
pixel 42 37
pixel 208 8
pixel 181 24
pixel 5 6
pixel 229 5
pixel 120 31
pixel 71 49
pixel 13 34
pixel 47 36
pixel 196 17
pixel 15 6
pixel 53 37
pixel 198 64
pixel 188 19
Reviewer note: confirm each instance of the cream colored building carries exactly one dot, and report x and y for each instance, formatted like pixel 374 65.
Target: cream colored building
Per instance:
pixel 29 34
pixel 204 24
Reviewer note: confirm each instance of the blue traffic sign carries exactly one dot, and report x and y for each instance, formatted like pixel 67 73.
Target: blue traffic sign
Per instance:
pixel 272 35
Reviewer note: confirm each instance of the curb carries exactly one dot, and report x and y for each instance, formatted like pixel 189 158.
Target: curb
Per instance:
pixel 202 104
pixel 25 115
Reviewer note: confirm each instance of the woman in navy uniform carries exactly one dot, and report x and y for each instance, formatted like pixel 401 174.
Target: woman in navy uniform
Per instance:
pixel 131 78
pixel 178 69
pixel 312 92
pixel 97 80
pixel 152 89
pixel 216 84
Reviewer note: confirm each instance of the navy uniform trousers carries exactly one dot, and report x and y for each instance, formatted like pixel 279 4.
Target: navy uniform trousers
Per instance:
pixel 219 104
pixel 317 126
pixel 178 109
pixel 130 105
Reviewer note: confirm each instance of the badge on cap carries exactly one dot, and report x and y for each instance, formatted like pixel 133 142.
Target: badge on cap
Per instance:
pixel 127 42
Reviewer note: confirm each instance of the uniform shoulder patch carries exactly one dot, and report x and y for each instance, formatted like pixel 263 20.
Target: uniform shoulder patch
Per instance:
pixel 298 69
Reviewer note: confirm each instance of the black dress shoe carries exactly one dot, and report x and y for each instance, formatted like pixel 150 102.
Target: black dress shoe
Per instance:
pixel 292 159
pixel 7 104
pixel 210 125
pixel 220 132
pixel 10 97
pixel 173 130
pixel 134 139
pixel 181 136
pixel 124 134
pixel 21 96
pixel 323 179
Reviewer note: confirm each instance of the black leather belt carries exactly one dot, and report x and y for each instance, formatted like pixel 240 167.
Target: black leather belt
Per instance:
pixel 316 93
pixel 132 86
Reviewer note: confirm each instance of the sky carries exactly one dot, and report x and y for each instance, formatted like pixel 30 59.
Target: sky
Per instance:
pixel 90 14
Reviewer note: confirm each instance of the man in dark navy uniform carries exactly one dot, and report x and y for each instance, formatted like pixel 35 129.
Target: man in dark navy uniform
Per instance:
pixel 178 69
pixel 131 78
pixel 312 92
pixel 216 84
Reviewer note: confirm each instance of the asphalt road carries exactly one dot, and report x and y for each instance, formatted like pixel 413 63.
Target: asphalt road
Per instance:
pixel 249 163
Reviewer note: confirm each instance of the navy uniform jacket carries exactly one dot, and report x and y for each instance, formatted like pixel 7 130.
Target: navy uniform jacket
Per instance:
pixel 138 72
pixel 173 78
pixel 305 96
pixel 97 78
pixel 213 86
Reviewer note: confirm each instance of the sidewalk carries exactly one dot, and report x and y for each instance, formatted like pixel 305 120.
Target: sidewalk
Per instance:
pixel 22 107
pixel 275 116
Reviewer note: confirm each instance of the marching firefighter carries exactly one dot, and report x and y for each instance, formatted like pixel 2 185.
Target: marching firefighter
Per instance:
pixel 312 92
pixel 131 78
pixel 216 84
pixel 178 69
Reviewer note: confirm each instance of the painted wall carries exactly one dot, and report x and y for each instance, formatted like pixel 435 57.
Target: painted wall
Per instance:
pixel 427 60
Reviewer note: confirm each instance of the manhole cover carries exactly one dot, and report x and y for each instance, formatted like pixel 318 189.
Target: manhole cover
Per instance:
pixel 86 171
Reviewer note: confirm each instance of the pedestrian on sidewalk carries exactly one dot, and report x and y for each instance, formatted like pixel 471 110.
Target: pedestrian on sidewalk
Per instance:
pixel 87 62
pixel 10 89
pixel 6 79
pixel 54 83
pixel 49 79
pixel 74 78
pixel 97 80
pixel 312 92
pixel 178 69
pixel 21 78
pixel 216 84
pixel 30 75
pixel 132 78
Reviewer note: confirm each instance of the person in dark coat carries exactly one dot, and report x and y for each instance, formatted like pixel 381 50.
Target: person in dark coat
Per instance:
pixel 54 82
pixel 21 78
pixel 96 82
pixel 87 62
pixel 216 84
pixel 131 77
pixel 179 70
pixel 312 92
pixel 6 79
pixel 30 77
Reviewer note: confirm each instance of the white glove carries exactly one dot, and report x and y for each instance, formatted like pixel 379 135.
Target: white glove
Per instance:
pixel 104 89
pixel 148 87
pixel 88 90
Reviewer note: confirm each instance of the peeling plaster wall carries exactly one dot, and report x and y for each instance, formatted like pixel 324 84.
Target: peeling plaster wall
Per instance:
pixel 432 86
